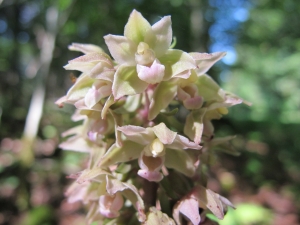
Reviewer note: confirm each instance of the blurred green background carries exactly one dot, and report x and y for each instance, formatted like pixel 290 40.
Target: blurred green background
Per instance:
pixel 262 40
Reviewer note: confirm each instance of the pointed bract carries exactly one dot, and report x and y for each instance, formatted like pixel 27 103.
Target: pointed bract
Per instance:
pixel 206 60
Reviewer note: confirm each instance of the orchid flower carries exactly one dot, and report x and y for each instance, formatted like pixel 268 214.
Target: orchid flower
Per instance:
pixel 89 135
pixel 214 102
pixel 154 147
pixel 94 83
pixel 97 186
pixel 202 198
pixel 187 85
pixel 144 56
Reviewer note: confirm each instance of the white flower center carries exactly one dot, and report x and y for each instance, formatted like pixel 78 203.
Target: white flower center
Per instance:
pixel 144 55
pixel 155 149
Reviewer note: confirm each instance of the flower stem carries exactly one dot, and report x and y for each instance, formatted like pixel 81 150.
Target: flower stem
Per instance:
pixel 150 190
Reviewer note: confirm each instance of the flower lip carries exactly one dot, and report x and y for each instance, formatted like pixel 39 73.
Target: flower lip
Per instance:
pixel 153 74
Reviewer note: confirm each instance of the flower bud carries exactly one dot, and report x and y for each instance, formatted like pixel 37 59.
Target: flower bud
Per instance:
pixel 189 96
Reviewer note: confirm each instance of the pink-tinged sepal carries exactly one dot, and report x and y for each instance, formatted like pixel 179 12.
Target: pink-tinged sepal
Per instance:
pixel 109 205
pixel 121 48
pixel 203 198
pixel 85 48
pixel 205 61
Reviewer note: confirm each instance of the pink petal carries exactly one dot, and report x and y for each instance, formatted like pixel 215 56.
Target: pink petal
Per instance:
pixel 152 176
pixel 98 91
pixel 153 74
pixel 182 142
pixel 182 94
pixel 109 206
pixel 150 167
pixel 92 97
pixel 77 192
pixel 60 101
pixel 189 207
pixel 193 103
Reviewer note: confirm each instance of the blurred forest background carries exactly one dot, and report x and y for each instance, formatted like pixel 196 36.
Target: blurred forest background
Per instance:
pixel 262 40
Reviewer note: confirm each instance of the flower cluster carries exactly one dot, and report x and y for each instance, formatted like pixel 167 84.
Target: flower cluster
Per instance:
pixel 134 133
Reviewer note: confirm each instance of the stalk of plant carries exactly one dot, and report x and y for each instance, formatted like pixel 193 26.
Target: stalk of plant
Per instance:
pixel 145 165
